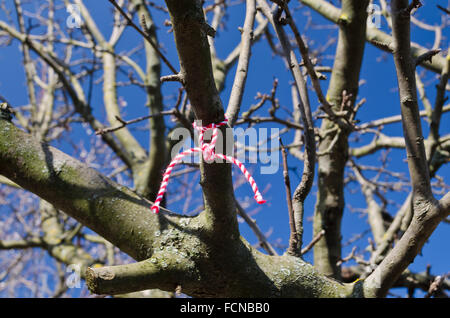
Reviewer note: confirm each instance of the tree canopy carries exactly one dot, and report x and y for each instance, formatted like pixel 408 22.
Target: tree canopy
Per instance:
pixel 107 96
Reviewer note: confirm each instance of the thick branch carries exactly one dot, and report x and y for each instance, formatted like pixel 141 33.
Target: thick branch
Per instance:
pixel 81 192
pixel 344 82
pixel 148 176
pixel 427 212
pixel 180 248
pixel 424 222
pixel 412 129
pixel 151 273
pixel 190 32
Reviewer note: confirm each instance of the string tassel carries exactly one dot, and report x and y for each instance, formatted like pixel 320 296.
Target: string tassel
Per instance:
pixel 208 152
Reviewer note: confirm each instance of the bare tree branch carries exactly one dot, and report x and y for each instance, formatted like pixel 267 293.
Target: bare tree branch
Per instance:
pixel 234 103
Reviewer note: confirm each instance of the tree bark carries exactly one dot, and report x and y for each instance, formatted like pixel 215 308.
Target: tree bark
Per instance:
pixel 345 77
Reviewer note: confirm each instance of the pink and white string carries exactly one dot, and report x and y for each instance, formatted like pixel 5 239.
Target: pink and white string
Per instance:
pixel 209 154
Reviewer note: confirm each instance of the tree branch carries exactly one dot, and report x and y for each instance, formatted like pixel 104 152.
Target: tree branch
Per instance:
pixel 342 91
pixel 374 211
pixel 304 108
pixel 427 212
pixel 196 68
pixel 412 129
pixel 293 248
pixel 237 91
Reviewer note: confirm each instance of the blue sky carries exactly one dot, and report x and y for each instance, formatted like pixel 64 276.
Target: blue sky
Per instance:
pixel 379 89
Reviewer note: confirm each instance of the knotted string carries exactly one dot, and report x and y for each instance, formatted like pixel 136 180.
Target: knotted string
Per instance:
pixel 209 154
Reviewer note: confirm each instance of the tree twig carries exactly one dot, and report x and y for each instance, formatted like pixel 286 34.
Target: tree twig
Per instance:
pixel 434 286
pixel 427 56
pixel 443 9
pixel 311 244
pixel 293 240
pixel 129 122
pixel 415 4
pixel 259 234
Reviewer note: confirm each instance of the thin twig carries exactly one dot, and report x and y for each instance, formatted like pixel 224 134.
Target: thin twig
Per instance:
pixel 172 78
pixel 313 242
pixel 434 286
pixel 428 56
pixel 415 4
pixel 237 91
pixel 124 123
pixel 392 119
pixel 347 258
pixel 443 9
pixel 293 241
pixel 259 234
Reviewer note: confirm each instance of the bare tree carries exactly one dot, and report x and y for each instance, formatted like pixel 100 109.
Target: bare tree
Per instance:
pixel 90 212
